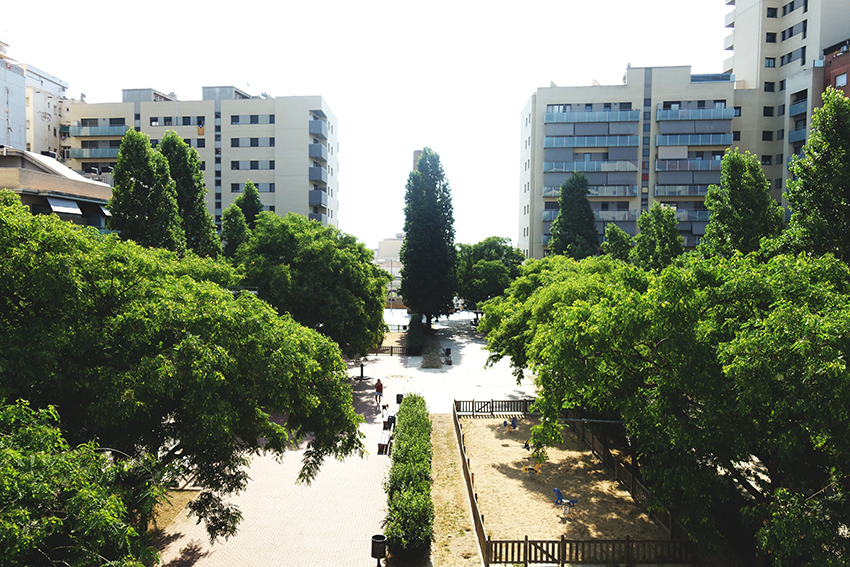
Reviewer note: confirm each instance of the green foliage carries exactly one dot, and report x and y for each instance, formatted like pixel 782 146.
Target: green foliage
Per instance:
pixel 249 202
pixel 410 515
pixel 574 229
pixel 162 368
pixel 428 253
pixel 819 194
pixel 415 335
pixel 658 241
pixel 144 199
pixel 742 210
pixel 724 371
pixel 485 269
pixel 321 276
pixel 60 505
pixel 617 242
pixel 234 230
pixel 184 166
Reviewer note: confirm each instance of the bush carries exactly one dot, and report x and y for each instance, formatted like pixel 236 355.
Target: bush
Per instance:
pixel 410 511
pixel 415 335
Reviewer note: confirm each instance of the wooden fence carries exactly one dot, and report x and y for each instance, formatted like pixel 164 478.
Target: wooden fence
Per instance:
pixel 678 549
pixel 389 350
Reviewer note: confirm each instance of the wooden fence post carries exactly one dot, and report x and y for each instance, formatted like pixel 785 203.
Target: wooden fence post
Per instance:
pixel 562 552
pixel 488 548
pixel 628 552
pixel 525 552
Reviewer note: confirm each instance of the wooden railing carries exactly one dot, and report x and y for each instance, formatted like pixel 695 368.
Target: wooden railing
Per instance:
pixel 389 350
pixel 492 407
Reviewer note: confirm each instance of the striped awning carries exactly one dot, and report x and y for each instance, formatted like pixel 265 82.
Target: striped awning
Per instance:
pixel 64 206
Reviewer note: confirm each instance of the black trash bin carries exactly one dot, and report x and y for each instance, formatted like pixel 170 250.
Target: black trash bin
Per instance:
pixel 379 547
pixel 399 398
pixel 448 352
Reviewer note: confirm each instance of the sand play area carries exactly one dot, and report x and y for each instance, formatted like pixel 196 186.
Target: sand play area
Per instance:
pixel 516 503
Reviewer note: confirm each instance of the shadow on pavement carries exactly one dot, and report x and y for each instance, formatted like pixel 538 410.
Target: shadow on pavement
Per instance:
pixel 189 555
pixel 363 396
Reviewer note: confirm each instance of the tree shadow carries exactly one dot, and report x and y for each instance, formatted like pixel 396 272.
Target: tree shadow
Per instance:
pixel 363 398
pixel 189 555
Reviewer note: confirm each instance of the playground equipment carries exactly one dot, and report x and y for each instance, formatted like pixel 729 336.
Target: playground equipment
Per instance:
pixel 527 445
pixel 533 469
pixel 512 424
pixel 566 505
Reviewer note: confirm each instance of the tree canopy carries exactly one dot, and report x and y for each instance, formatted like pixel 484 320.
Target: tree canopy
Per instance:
pixel 727 373
pixel 574 229
pixel 617 242
pixel 658 241
pixel 249 202
pixel 324 278
pixel 742 210
pixel 184 166
pixel 485 269
pixel 819 194
pixel 234 229
pixel 144 200
pixel 428 251
pixel 149 355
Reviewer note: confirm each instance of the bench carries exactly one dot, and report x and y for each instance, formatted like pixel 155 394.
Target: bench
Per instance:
pixel 384 441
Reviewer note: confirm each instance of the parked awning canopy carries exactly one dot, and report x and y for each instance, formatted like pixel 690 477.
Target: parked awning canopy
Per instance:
pixel 64 206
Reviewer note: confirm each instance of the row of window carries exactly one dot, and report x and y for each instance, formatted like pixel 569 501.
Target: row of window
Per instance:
pixel 768 160
pixel 587 107
pixel 252 164
pixel 252 118
pixel 261 187
pixel 251 142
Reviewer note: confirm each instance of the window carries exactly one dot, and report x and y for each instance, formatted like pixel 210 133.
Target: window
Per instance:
pixel 736 136
pixel 777 184
pixel 255 142
pixel 116 122
pixel 780 134
pixel 769 87
pixel 200 120
pixel 588 108
pixel 202 143
pixel 234 119
pixel 841 80
pixel 737 111
pixel 137 116
pixel 154 121
pixel 168 121
pixel 234 165
pixel 625 106
pixel 271 120
pixel 646 126
pixel 234 142
pixel 647 115
pixel 767 135
pixel 255 164
pixel 780 110
pixel 255 119
pixel 779 158
pixel 782 85
pixel 234 187
pixel 767 111
pixel 218 114
pixel 771 37
pixel 770 62
pixel 271 164
pixel 203 166
pixel 271 142
pixel 187 121
pixel 766 160
pixel 772 12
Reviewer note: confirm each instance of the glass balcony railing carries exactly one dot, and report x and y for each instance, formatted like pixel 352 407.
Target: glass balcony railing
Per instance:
pixel 546 239
pixel 697 216
pixel 694 140
pixel 687 165
pixel 84 131
pixel 798 108
pixel 797 135
pixel 573 117
pixel 549 214
pixel 571 166
pixel 611 216
pixel 599 191
pixel 85 153
pixel 590 141
pixel 690 240
pixel 551 191
pixel 695 114
pixel 681 190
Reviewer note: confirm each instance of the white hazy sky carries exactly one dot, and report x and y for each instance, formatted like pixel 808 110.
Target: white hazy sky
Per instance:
pixel 450 75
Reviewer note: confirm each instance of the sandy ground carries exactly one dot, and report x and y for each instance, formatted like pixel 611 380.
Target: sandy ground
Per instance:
pixel 516 503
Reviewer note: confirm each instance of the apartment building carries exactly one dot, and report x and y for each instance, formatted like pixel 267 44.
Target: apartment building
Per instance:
pixel 660 135
pixel 287 146
pixel 13 109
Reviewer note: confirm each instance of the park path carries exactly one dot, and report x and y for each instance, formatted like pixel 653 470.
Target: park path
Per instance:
pixel 330 522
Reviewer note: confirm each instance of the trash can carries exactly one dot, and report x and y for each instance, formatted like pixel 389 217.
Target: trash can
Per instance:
pixel 379 547
pixel 399 398
pixel 448 352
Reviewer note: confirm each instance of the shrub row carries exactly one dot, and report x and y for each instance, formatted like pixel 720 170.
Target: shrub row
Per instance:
pixel 415 335
pixel 410 514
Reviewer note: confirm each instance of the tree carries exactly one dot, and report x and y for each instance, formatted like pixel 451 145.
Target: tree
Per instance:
pixel 819 194
pixel 184 165
pixel 658 241
pixel 139 352
pixel 234 230
pixel 249 202
pixel 144 200
pixel 428 253
pixel 485 269
pixel 61 505
pixel 324 278
pixel 574 229
pixel 727 373
pixel 742 210
pixel 617 243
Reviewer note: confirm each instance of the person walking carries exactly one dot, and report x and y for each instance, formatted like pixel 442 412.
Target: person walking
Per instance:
pixel 379 392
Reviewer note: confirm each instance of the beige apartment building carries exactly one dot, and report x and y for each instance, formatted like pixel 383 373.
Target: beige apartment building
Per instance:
pixel 660 135
pixel 287 146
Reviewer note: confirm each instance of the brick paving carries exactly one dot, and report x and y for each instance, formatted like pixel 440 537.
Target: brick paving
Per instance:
pixel 330 522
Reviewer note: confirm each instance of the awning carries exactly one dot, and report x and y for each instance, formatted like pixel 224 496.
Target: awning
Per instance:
pixel 64 206
pixel 106 212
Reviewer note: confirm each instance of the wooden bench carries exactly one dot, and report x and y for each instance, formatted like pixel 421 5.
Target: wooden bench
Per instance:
pixel 384 441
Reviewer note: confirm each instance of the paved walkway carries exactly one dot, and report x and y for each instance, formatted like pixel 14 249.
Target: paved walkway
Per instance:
pixel 330 522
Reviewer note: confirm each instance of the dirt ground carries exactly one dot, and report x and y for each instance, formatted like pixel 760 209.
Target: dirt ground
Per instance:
pixel 516 503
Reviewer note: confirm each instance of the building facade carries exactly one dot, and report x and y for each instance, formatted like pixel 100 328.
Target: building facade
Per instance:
pixel 286 146
pixel 13 109
pixel 660 135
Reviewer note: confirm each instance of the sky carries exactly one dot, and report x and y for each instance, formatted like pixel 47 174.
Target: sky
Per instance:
pixel 399 76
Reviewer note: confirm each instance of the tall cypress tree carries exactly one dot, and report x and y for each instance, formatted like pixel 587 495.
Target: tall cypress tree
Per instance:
pixel 574 229
pixel 428 251
pixel 249 202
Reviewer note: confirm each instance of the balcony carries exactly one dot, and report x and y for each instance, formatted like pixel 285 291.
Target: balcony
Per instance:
pixel 681 190
pixel 318 151
pixel 613 216
pixel 690 215
pixel 571 166
pixel 319 128
pixel 550 214
pixel 730 19
pixel 690 240
pixel 796 135
pixel 693 140
pixel 546 239
pixel 687 165
pixel 695 114
pixel 85 131
pixel 590 141
pixel 318 198
pixel 798 108
pixel 729 42
pixel 86 153
pixel 573 117
pixel 613 191
pixel 321 217
pixel 318 174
